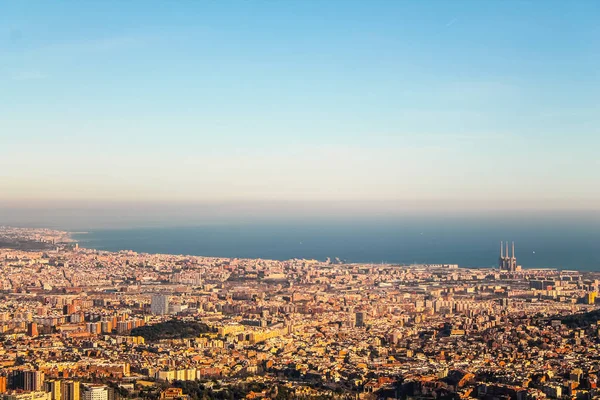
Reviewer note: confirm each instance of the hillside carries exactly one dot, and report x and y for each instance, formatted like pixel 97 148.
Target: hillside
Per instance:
pixel 173 329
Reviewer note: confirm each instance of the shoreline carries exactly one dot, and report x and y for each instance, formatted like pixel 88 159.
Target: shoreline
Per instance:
pixel 271 247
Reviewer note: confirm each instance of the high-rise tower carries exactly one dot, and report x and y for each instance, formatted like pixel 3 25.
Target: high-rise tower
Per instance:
pixel 159 304
pixel 53 387
pixel 69 390
pixel 32 329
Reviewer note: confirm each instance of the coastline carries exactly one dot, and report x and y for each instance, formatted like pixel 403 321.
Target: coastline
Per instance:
pixel 361 246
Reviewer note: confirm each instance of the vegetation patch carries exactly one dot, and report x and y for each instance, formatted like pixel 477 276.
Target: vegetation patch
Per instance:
pixel 172 329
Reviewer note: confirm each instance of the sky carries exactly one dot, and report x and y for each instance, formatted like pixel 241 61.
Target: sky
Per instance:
pixel 379 105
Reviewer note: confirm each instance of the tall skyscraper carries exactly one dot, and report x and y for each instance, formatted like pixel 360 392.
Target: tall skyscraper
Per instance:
pixel 160 304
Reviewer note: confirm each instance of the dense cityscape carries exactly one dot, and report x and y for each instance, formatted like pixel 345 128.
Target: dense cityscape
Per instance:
pixel 87 324
pixel 296 199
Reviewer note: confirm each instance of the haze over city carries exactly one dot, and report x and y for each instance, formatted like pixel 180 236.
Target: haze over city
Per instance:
pixel 369 107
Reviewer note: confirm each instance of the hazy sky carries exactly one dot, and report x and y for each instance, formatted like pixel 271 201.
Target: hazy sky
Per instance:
pixel 446 102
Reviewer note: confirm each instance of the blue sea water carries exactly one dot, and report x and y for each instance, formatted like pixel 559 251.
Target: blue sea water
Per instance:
pixel 548 241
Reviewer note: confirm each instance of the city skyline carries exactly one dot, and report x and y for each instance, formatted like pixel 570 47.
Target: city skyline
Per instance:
pixel 93 324
pixel 414 105
pixel 299 199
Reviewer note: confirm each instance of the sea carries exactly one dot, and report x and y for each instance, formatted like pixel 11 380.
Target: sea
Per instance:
pixel 540 241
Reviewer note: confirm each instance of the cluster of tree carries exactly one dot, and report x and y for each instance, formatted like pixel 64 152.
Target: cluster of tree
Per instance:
pixel 582 320
pixel 172 329
pixel 203 391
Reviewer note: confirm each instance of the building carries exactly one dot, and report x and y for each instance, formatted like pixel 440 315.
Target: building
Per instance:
pixel 359 319
pixel 590 298
pixel 68 309
pixel 506 262
pixel 113 394
pixel 160 304
pixel 3 384
pixel 69 390
pixel 33 381
pixel 504 303
pixel 30 381
pixel 94 392
pixel 32 329
pixel 38 395
pixel 53 387
pixel 173 394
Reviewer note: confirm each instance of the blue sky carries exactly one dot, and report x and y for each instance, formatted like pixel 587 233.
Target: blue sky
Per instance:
pixel 483 103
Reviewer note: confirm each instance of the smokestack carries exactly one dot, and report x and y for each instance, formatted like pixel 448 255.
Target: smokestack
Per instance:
pixel 507 253
pixel 501 248
pixel 513 248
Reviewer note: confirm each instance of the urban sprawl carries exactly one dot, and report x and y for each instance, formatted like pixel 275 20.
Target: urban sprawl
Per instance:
pixel 84 324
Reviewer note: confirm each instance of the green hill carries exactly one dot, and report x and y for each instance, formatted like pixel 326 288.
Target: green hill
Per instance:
pixel 173 329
